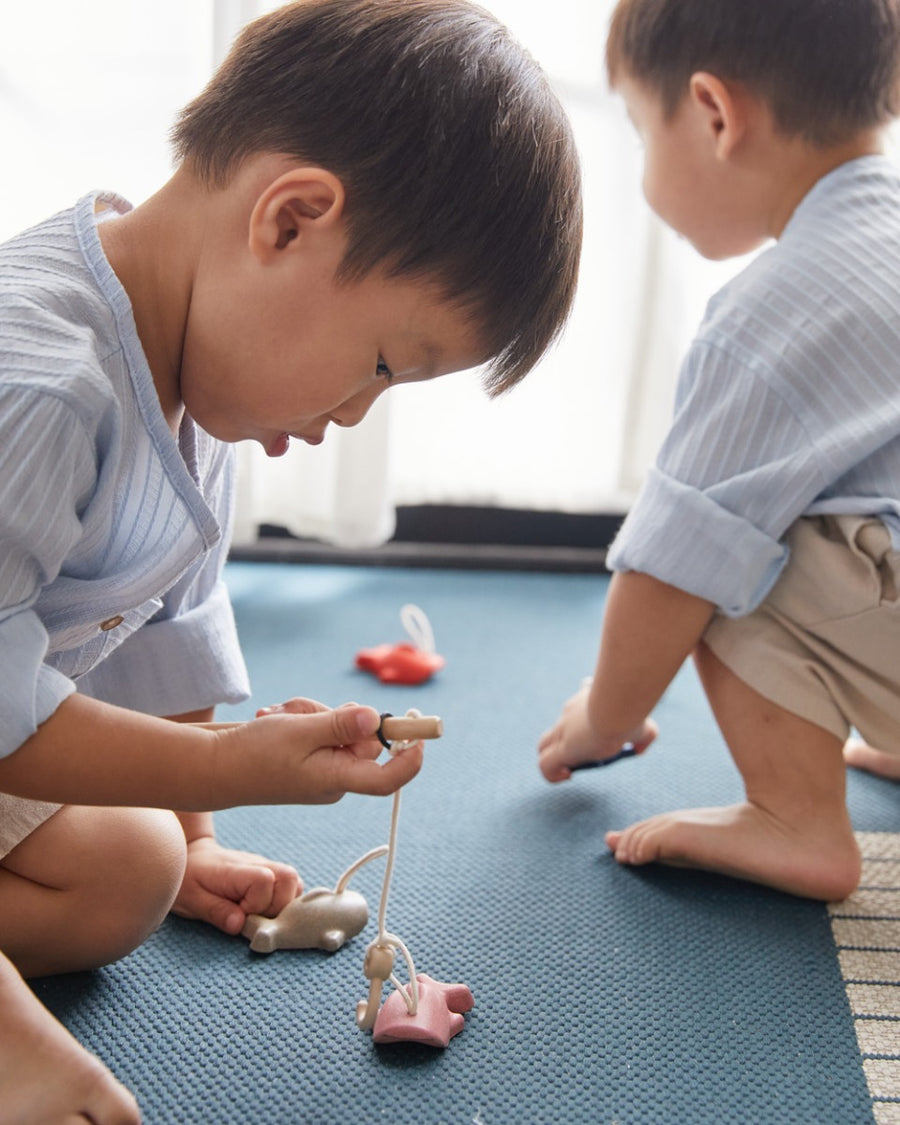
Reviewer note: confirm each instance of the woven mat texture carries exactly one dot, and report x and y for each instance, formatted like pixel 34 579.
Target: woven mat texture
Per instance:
pixel 603 996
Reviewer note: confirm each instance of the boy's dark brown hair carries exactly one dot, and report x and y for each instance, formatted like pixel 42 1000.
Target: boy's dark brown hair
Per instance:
pixel 457 160
pixel 828 69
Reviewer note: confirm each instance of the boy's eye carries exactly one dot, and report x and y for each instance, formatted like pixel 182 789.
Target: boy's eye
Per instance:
pixel 383 371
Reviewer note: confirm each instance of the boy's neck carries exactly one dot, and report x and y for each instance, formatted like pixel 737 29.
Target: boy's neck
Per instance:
pixel 151 251
pixel 795 167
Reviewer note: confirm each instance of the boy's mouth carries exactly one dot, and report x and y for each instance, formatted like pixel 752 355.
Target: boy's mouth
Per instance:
pixel 310 439
pixel 282 443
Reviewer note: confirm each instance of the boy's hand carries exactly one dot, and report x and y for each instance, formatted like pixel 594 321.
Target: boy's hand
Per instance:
pixel 573 740
pixel 288 755
pixel 222 886
pixel 299 705
pixel 298 751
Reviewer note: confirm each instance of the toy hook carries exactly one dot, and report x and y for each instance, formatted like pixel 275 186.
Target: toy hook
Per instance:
pixel 378 967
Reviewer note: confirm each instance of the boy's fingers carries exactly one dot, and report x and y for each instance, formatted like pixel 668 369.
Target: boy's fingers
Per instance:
pixel 217 911
pixel 343 726
pixel 349 731
pixel 253 888
pixel 352 724
pixel 268 889
pixel 287 886
pixel 355 775
pixel 552 770
pixel 299 705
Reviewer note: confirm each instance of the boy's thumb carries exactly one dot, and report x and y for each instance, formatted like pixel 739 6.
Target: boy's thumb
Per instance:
pixel 351 723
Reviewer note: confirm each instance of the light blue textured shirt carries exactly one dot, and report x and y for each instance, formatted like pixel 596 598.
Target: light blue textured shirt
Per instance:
pixel 112 534
pixel 788 401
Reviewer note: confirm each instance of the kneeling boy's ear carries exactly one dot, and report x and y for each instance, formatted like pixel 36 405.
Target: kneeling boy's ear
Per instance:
pixel 293 205
pixel 722 106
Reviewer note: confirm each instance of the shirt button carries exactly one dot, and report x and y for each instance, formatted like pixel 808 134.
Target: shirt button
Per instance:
pixel 111 623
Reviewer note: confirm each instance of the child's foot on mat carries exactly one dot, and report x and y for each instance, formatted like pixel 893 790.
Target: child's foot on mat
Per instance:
pixel 864 757
pixel 746 842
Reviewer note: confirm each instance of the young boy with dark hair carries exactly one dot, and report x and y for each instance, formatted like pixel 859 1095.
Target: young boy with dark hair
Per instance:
pixel 369 192
pixel 765 540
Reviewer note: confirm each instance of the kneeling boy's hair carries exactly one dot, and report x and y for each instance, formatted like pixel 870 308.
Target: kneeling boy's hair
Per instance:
pixel 827 68
pixel 457 160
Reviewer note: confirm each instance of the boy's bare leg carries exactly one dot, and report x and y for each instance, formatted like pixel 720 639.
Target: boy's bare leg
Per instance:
pixel 864 757
pixel 792 832
pixel 85 888
pixel 88 886
pixel 45 1075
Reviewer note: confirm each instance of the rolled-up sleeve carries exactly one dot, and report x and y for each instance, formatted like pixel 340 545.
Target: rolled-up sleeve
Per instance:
pixel 682 537
pixel 174 665
pixel 30 690
pixel 736 470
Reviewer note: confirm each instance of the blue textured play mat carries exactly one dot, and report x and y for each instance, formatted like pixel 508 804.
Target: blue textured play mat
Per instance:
pixel 603 996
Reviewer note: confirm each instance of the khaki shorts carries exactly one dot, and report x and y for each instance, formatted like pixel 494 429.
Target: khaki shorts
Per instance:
pixel 825 644
pixel 19 817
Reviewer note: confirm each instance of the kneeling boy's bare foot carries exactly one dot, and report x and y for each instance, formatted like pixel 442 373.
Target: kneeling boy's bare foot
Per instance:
pixel 863 757
pixel 746 842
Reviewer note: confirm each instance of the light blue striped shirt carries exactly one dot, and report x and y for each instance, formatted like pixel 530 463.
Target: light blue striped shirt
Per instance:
pixel 788 401
pixel 103 515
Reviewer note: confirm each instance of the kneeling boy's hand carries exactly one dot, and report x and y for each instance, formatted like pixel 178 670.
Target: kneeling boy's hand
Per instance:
pixel 573 742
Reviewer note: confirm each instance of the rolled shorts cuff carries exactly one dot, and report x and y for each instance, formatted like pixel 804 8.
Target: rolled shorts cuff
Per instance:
pixel 19 817
pixel 824 643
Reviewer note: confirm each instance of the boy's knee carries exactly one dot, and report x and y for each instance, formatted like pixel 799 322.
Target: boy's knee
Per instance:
pixel 151 850
pixel 139 881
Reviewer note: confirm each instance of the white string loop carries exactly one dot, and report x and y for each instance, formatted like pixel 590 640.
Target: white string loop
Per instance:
pixel 415 622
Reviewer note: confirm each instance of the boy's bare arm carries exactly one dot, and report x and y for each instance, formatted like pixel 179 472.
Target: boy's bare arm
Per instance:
pixel 649 629
pixel 92 753
pixel 196 824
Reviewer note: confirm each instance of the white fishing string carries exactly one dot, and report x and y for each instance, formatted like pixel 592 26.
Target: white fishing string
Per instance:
pixel 417 625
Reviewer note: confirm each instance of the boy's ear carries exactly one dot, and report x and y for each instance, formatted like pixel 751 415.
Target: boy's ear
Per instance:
pixel 724 111
pixel 292 207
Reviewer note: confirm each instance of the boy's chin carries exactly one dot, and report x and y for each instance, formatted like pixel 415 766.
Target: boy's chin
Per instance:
pixel 725 250
pixel 277 446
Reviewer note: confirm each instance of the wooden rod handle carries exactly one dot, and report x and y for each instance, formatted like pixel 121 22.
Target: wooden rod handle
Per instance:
pixel 411 727
pixel 395 727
